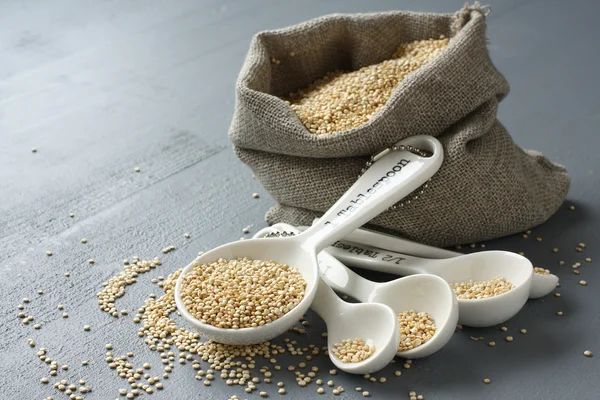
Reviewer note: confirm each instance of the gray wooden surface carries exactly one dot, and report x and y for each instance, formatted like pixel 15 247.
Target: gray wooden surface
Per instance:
pixel 100 87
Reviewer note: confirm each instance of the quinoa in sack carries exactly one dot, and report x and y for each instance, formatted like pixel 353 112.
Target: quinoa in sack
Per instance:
pixel 306 155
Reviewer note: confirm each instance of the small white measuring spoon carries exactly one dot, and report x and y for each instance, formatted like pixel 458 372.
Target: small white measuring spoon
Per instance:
pixel 392 176
pixel 376 324
pixel 541 284
pixel 422 292
pixel 480 266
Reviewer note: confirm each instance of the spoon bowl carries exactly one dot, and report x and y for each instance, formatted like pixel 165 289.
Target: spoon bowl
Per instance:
pixel 420 293
pixel 542 284
pixel 485 266
pixel 375 324
pixel 283 251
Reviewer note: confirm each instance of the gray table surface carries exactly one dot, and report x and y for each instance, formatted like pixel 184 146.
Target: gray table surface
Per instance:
pixel 99 87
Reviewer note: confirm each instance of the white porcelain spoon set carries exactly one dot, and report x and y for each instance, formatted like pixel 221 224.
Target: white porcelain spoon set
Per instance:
pixel 390 176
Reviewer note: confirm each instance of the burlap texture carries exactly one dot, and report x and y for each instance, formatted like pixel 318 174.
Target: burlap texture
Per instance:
pixel 487 186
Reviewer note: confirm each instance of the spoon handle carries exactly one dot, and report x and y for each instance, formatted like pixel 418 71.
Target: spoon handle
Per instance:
pixel 389 179
pixel 326 303
pixel 339 277
pixel 374 258
pixel 400 245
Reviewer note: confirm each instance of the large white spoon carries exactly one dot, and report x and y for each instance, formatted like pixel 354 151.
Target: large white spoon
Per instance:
pixel 423 292
pixel 541 284
pixel 392 176
pixel 480 266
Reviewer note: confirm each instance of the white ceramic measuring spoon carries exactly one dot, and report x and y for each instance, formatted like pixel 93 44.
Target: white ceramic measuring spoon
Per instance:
pixel 481 266
pixel 376 324
pixel 392 176
pixel 422 292
pixel 541 284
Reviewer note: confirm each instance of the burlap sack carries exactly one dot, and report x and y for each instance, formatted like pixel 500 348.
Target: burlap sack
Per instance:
pixel 487 186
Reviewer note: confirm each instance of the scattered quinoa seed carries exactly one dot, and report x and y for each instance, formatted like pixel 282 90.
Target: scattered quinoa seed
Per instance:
pixel 559 313
pixel 587 353
pixel 504 329
pixel 84 240
pixel 583 283
pixel 255 195
pixel 487 381
pixel 49 253
pixel 137 169
pixel 491 344
pixel 508 338
pixel 168 249
pixel 523 331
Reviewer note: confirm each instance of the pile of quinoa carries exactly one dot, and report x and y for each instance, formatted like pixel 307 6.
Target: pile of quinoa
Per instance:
pixel 241 293
pixel 344 100
pixel 473 290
